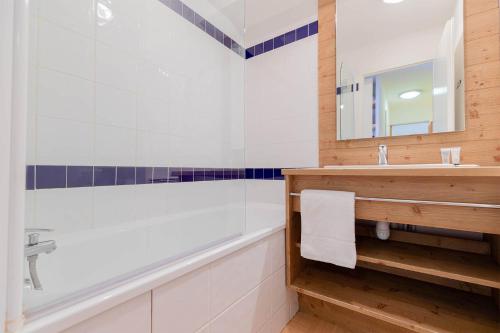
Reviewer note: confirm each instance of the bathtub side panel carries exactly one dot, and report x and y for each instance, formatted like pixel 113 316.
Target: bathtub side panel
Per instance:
pixel 133 316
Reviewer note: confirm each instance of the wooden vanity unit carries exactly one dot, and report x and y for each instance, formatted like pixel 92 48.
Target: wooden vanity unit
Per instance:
pixel 413 282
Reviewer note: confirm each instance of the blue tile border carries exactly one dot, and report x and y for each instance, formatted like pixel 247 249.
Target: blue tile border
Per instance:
pixel 204 25
pixel 282 40
pixel 71 176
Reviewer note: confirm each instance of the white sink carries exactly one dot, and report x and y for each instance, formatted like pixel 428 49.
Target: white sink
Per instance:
pixel 399 166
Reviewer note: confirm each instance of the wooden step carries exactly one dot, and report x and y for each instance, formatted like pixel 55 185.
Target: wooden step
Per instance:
pixel 449 264
pixel 413 305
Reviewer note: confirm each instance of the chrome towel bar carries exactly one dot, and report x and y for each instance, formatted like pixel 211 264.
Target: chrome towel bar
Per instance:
pixel 424 202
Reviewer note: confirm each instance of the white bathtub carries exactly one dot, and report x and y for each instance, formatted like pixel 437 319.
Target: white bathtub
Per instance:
pixel 57 318
pixel 93 260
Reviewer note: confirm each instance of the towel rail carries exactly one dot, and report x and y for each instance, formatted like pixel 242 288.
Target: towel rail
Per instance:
pixel 423 202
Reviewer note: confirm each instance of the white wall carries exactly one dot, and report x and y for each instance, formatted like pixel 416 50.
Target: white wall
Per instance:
pixel 266 19
pixel 130 83
pixel 146 88
pixel 281 106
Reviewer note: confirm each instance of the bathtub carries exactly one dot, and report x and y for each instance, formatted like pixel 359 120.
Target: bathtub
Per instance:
pixel 92 301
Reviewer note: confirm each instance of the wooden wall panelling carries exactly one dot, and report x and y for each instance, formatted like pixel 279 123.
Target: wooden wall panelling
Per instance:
pixel 480 141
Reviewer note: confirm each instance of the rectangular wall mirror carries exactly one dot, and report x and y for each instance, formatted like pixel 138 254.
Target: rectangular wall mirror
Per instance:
pixel 400 68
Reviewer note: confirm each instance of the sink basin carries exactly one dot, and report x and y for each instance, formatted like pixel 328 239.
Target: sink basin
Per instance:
pixel 399 166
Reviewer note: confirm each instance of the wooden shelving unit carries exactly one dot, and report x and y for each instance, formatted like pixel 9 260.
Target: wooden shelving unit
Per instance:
pixel 460 266
pixel 416 306
pixel 455 265
pixel 412 282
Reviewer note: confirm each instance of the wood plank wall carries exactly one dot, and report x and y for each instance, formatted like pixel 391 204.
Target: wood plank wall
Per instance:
pixel 480 141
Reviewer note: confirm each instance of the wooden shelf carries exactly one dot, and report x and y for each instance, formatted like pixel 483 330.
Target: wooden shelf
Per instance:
pixel 492 171
pixel 455 265
pixel 413 305
pixel 460 266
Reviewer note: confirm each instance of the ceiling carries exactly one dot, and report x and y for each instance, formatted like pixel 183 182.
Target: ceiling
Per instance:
pixel 361 22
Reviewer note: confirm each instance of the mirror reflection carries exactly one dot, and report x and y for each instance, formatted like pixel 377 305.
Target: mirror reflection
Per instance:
pixel 400 68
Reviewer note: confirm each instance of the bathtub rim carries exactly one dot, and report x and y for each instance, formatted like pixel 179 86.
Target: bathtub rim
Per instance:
pixel 78 312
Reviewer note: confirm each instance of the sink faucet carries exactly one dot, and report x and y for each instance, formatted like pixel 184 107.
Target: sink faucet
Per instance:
pixel 31 251
pixel 382 155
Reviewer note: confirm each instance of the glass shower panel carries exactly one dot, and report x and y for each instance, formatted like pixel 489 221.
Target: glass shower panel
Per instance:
pixel 346 89
pixel 136 138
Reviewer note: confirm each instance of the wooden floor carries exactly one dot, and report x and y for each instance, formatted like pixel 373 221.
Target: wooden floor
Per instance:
pixel 306 323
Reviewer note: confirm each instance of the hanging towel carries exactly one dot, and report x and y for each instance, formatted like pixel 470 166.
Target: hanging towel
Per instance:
pixel 328 227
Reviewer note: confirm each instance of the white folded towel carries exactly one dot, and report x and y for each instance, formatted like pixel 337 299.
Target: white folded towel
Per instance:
pixel 328 227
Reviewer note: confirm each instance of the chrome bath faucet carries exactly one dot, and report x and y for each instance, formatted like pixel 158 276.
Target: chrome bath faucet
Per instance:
pixel 31 251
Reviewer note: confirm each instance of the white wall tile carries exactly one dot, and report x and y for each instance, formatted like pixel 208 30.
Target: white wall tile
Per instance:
pixel 248 315
pixel 61 141
pixel 115 145
pixel 153 114
pixel 265 204
pixel 117 24
pixel 182 306
pixel 65 211
pixel 293 300
pixel 277 250
pixel 205 329
pixel 280 294
pixel 235 275
pixel 279 155
pixel 65 96
pixel 65 51
pixel 115 107
pixel 153 149
pixel 280 319
pixel 265 19
pixel 281 119
pixel 266 328
pixel 133 316
pixel 151 201
pixel 116 68
pixel 114 205
pixel 77 15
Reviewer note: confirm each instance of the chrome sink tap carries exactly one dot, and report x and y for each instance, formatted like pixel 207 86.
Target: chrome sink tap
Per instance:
pixel 382 155
pixel 31 251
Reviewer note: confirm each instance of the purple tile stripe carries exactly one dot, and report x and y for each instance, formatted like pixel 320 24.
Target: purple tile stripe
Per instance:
pixel 282 40
pixel 204 25
pixel 61 176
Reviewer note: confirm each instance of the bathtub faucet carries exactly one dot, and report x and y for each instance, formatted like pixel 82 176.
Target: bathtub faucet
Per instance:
pixel 31 251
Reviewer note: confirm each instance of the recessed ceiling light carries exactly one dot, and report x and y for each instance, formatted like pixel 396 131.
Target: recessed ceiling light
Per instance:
pixel 410 94
pixel 392 1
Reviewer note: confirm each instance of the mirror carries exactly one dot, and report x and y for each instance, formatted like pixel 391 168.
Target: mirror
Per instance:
pixel 400 67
